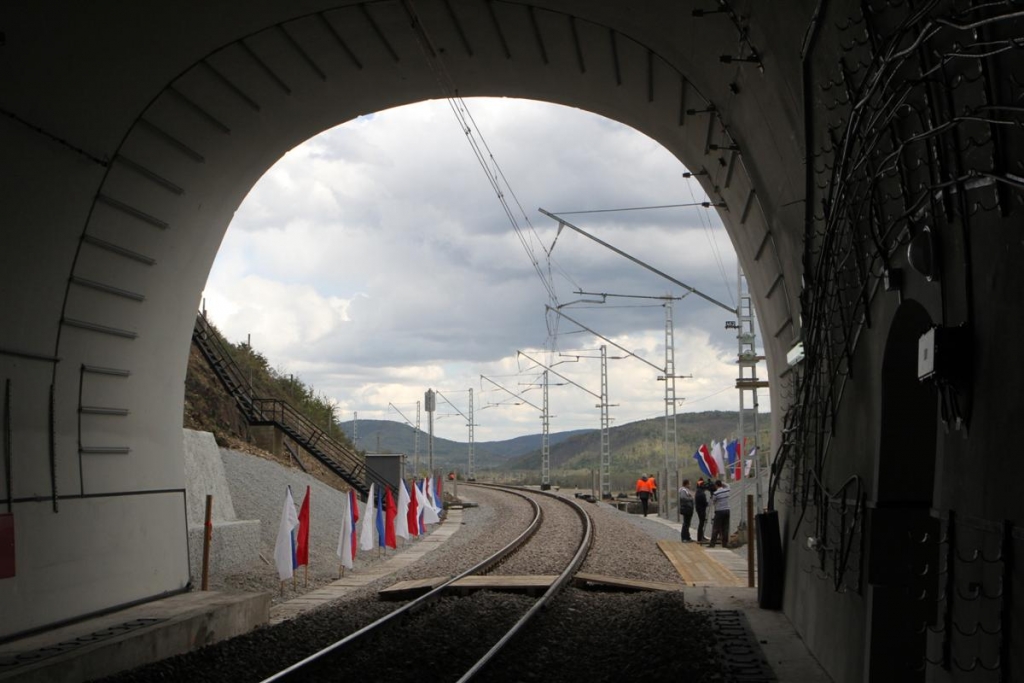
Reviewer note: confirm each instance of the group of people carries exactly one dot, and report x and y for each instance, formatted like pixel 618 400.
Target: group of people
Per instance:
pixel 646 489
pixel 697 500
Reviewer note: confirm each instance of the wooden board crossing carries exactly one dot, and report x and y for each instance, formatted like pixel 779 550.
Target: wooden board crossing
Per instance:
pixel 531 585
pixel 696 566
pixel 584 580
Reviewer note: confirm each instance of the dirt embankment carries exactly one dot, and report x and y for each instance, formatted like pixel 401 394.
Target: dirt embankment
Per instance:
pixel 209 408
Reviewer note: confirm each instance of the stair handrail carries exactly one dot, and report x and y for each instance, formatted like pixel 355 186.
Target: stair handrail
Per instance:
pixel 348 464
pixel 206 333
pixel 313 435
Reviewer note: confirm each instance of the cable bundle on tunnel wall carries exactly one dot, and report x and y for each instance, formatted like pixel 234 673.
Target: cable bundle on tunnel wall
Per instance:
pixel 965 578
pixel 909 122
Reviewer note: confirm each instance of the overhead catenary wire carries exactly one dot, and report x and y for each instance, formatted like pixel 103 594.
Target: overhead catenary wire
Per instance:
pixel 481 150
pixel 705 204
pixel 716 252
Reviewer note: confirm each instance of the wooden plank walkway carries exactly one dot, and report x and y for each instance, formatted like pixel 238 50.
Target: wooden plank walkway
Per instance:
pixel 585 580
pixel 701 567
pixel 356 579
pixel 531 585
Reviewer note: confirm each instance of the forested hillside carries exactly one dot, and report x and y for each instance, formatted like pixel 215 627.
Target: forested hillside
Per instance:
pixel 636 447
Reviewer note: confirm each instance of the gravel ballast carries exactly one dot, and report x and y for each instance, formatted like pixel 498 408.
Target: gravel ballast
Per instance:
pixel 593 636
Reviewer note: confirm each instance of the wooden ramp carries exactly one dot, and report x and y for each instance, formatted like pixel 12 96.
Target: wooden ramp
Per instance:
pixel 531 585
pixel 697 566
pixel 584 580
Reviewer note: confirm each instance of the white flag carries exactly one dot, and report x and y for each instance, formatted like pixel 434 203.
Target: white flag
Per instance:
pixel 345 535
pixel 428 489
pixel 750 462
pixel 426 509
pixel 368 522
pixel 284 547
pixel 402 518
pixel 718 453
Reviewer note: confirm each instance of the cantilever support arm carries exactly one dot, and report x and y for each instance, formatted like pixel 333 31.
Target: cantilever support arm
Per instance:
pixel 562 221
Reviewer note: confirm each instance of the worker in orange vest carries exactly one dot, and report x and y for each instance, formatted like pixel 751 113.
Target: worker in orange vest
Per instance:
pixel 643 492
pixel 654 488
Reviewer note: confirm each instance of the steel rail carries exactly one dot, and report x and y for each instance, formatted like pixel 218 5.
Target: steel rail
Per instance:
pixel 296 671
pixel 550 593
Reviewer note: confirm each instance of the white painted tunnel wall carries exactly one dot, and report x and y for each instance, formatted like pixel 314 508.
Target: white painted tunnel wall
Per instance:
pixel 61 574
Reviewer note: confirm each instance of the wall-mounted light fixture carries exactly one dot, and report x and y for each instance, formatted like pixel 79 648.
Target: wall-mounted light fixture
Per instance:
pixel 922 253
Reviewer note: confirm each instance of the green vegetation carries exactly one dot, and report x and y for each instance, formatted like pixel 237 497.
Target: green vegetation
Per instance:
pixel 636 447
pixel 208 407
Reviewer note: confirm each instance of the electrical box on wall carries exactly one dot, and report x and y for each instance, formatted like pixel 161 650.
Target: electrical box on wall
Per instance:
pixel 943 354
pixel 926 355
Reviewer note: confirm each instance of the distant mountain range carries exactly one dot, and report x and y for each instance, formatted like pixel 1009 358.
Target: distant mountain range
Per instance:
pixel 636 447
pixel 389 436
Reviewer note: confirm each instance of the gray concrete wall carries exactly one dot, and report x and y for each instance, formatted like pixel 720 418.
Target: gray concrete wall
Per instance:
pixel 235 544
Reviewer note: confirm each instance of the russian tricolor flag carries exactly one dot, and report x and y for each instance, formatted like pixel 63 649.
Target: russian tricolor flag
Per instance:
pixel 704 461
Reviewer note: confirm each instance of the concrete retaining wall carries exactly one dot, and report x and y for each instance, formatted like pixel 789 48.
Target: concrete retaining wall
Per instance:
pixel 235 544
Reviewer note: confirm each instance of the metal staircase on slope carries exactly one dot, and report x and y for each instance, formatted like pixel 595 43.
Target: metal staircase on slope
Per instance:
pixel 272 412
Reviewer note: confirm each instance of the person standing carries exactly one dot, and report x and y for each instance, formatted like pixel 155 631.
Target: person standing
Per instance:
pixel 720 525
pixel 686 510
pixel 700 499
pixel 653 484
pixel 643 492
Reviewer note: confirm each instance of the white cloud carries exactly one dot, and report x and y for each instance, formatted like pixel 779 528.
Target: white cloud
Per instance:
pixel 375 261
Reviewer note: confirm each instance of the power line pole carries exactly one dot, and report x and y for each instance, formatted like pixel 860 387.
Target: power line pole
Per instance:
pixel 671 443
pixel 545 450
pixel 415 432
pixel 748 381
pixel 416 442
pixel 603 405
pixel 471 473
pixel 606 446
pixel 545 441
pixel 428 405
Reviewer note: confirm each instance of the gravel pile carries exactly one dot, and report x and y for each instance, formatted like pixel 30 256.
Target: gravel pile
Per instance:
pixel 594 636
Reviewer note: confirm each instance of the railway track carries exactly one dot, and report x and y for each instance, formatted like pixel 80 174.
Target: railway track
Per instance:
pixel 497 632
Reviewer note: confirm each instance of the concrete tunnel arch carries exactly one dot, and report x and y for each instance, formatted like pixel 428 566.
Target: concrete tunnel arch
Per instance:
pixel 139 225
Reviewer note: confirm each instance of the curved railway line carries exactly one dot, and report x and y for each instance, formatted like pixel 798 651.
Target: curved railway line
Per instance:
pixel 321 664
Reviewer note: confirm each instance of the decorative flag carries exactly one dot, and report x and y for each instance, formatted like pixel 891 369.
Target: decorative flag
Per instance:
pixel 730 452
pixel 284 548
pixel 354 500
pixel 366 539
pixel 702 462
pixel 412 518
pixel 718 453
pixel 390 512
pixel 428 512
pixel 750 461
pixel 402 516
pixel 439 498
pixel 428 490
pixel 347 536
pixel 739 458
pixel 709 461
pixel 379 519
pixel 422 500
pixel 302 538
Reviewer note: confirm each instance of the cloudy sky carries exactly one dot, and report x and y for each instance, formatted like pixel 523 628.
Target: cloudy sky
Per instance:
pixel 375 261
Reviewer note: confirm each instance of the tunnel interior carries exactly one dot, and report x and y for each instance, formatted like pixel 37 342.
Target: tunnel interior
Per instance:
pixel 861 154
